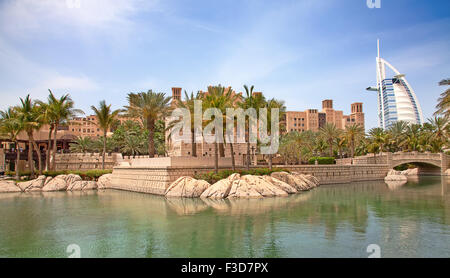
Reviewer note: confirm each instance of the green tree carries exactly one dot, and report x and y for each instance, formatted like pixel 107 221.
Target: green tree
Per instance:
pixel 106 118
pixel 29 116
pixel 354 133
pixel 329 132
pixel 443 106
pixel 274 104
pixel 11 126
pixel 251 101
pixel 81 145
pixel 149 107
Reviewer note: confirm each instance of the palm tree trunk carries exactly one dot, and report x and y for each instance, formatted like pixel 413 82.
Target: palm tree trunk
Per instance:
pixel 54 147
pixel 151 141
pixel 47 157
pixel 194 145
pixel 104 149
pixel 38 152
pixel 17 160
pixel 233 162
pixel 270 162
pixel 248 149
pixel 352 146
pixel 331 148
pixel 216 158
pixel 30 155
pixel 221 150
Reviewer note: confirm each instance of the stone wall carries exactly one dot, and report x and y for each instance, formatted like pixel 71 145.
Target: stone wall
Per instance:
pixel 156 179
pixel 86 161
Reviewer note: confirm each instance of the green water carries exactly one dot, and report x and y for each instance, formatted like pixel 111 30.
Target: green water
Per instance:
pixel 332 221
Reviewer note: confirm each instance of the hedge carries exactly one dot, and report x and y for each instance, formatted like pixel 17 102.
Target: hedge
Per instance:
pixel 321 160
pixel 85 175
pixel 212 177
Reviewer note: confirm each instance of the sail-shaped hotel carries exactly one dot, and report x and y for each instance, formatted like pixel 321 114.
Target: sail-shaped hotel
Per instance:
pixel 396 99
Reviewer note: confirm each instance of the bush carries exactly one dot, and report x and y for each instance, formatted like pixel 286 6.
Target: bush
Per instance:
pixel 212 177
pixel 85 175
pixel 321 160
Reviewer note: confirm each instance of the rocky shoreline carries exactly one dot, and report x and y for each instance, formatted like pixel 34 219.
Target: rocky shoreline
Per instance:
pixel 235 186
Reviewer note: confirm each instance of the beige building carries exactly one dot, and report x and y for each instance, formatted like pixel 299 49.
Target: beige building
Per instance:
pixel 312 119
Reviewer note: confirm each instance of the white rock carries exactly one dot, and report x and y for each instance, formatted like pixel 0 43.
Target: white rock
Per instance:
pixel 254 187
pixel 58 183
pixel 220 189
pixel 82 185
pixel 104 181
pixel 9 187
pixel 281 184
pixel 33 185
pixel 187 187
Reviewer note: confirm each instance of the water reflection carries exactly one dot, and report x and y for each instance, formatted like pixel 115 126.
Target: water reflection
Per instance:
pixel 331 221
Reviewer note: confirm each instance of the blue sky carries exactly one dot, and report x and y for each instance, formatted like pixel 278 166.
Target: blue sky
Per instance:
pixel 298 51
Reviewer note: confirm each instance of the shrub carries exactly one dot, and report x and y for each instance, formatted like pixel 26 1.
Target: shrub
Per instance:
pixel 212 177
pixel 321 160
pixel 85 175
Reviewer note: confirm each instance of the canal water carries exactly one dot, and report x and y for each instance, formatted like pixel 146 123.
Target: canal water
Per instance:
pixel 412 220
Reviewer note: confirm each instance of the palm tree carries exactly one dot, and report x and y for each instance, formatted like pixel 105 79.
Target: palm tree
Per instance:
pixel 254 101
pixel 29 115
pixel 379 137
pixel 341 143
pixel 10 125
pixel 353 133
pixel 105 118
pixel 149 107
pixel 274 104
pixel 81 145
pixel 218 99
pixel 443 106
pixel 329 132
pixel 188 104
pixel 48 119
pixel 438 130
pixel 397 133
pixel 62 111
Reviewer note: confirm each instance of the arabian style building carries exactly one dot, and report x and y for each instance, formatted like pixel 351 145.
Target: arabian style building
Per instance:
pixel 313 120
pixel 396 99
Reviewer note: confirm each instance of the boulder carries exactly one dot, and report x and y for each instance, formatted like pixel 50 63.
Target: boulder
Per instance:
pixel 308 183
pixel 396 178
pixel 254 187
pixel 187 187
pixel 82 185
pixel 295 180
pixel 447 172
pixel 411 172
pixel 313 179
pixel 220 189
pixel 33 185
pixel 9 187
pixel 281 184
pixel 104 181
pixel 56 184
pixel 71 178
pixel 393 172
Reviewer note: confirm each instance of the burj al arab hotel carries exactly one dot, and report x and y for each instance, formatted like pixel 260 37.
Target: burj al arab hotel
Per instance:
pixel 396 99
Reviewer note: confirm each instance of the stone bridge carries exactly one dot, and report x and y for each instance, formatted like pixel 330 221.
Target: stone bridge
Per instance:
pixel 428 163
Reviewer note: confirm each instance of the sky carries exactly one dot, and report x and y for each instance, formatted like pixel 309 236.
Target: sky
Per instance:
pixel 299 51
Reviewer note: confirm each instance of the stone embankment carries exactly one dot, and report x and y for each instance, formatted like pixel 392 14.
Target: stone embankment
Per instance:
pixel 248 186
pixel 235 186
pixel 69 182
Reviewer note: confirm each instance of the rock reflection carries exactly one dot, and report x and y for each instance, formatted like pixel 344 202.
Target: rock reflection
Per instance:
pixel 394 185
pixel 186 206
